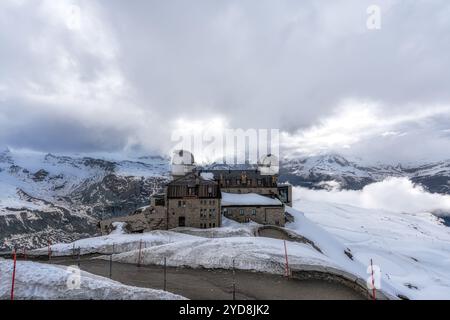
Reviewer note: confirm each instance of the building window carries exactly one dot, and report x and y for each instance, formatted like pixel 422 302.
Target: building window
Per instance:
pixel 259 182
pixel 249 182
pixel 238 182
pixel 184 204
pixel 179 204
pixel 214 225
pixel 253 212
pixel 241 212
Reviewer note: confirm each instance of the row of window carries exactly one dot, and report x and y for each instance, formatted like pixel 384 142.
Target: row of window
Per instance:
pixel 206 202
pixel 210 225
pixel 193 191
pixel 182 203
pixel 248 182
pixel 252 212
pixel 204 213
pixel 242 211
pixel 211 210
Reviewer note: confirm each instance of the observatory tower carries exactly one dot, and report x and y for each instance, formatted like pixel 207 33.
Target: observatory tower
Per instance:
pixel 269 165
pixel 182 163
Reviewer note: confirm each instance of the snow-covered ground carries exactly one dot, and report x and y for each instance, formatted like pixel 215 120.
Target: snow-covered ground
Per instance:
pixel 119 241
pixel 215 249
pixel 252 199
pixel 248 253
pixel 43 281
pixel 412 250
pixel 116 242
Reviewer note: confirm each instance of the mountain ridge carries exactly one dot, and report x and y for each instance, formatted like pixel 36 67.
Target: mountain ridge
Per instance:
pixel 47 197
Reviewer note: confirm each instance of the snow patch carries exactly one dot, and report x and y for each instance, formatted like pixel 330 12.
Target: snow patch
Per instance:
pixel 43 281
pixel 251 199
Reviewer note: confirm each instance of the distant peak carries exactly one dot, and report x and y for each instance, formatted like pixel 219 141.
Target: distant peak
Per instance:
pixel 4 150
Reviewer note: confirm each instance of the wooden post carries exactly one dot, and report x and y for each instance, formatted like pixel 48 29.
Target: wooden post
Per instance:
pixel 140 249
pixel 287 272
pixel 79 251
pixel 374 297
pixel 234 283
pixel 49 250
pixel 110 266
pixel 13 275
pixel 165 273
pixel 110 262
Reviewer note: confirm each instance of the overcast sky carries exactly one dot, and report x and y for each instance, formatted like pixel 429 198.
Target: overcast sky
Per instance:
pixel 114 75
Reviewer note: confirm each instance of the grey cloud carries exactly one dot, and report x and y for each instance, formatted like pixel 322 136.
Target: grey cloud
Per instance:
pixel 283 64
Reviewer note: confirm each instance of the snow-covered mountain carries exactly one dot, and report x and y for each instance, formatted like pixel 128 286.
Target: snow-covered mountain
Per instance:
pixel 312 172
pixel 60 198
pixel 45 197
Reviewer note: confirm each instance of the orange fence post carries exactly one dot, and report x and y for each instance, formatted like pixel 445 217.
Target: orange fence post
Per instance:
pixel 49 249
pixel 287 262
pixel 13 275
pixel 374 297
pixel 140 248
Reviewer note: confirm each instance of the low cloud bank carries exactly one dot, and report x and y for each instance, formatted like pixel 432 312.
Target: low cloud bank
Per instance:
pixel 394 194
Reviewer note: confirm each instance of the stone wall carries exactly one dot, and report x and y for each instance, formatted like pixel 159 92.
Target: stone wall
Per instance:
pixel 196 212
pixel 150 218
pixel 273 215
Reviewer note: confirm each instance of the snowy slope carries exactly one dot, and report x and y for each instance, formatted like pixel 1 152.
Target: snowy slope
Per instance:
pixel 412 250
pixel 114 241
pixel 43 281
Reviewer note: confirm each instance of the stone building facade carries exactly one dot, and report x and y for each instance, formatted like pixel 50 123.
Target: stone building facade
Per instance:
pixel 193 201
